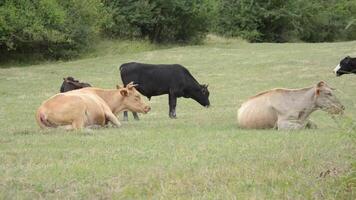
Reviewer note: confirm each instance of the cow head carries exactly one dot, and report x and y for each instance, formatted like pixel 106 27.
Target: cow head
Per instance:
pixel 131 99
pixel 70 83
pixel 326 100
pixel 346 66
pixel 201 95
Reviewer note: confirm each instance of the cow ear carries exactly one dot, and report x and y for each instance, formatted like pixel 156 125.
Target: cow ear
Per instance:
pixel 317 92
pixel 124 92
pixel 347 60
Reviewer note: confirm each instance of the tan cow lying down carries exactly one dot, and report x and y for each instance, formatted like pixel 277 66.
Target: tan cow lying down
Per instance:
pixel 287 108
pixel 89 107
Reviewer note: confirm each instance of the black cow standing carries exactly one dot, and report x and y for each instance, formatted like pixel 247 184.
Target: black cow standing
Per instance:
pixel 70 83
pixel 174 80
pixel 346 66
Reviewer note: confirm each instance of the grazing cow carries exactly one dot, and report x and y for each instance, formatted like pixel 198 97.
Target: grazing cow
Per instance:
pixel 287 108
pixel 89 107
pixel 174 80
pixel 70 83
pixel 346 66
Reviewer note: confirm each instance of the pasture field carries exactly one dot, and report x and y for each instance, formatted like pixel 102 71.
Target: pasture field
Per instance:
pixel 201 155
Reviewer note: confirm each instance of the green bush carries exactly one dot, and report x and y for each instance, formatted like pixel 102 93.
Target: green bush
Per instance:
pixel 53 28
pixel 287 20
pixel 158 20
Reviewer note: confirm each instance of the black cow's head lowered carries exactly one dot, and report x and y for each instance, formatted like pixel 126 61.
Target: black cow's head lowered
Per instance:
pixel 346 66
pixel 70 83
pixel 201 95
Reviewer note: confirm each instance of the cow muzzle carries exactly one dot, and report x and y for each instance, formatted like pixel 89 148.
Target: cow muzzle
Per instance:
pixel 146 109
pixel 336 110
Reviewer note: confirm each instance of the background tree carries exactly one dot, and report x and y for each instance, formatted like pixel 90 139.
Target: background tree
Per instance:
pixel 159 20
pixel 53 28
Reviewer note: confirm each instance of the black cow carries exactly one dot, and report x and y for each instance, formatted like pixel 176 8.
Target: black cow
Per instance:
pixel 346 66
pixel 174 80
pixel 70 83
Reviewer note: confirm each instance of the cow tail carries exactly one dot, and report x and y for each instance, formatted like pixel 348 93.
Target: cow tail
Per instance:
pixel 42 119
pixel 120 67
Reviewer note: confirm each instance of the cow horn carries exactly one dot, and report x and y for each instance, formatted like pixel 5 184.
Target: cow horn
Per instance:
pixel 131 85
pixel 321 84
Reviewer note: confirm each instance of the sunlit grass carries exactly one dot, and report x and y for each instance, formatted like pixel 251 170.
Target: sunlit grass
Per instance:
pixel 202 154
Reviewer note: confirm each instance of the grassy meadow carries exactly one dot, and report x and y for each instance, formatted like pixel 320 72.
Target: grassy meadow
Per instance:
pixel 201 155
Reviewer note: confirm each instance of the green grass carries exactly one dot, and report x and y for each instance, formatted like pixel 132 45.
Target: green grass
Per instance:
pixel 201 155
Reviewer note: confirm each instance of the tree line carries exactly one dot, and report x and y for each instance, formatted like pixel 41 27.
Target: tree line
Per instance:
pixel 65 28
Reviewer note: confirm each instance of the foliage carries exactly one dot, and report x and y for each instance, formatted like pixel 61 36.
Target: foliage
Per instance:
pixel 54 28
pixel 159 20
pixel 287 20
pixel 64 29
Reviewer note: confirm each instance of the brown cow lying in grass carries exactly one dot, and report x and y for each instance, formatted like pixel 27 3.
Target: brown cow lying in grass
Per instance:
pixel 89 107
pixel 287 108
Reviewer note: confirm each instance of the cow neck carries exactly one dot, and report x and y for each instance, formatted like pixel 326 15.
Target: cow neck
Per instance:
pixel 118 107
pixel 107 96
pixel 305 101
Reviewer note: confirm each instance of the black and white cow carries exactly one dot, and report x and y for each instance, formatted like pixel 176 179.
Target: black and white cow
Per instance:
pixel 174 80
pixel 70 83
pixel 346 66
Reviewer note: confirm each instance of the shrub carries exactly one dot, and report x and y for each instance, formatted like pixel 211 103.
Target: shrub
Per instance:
pixel 53 28
pixel 158 20
pixel 287 20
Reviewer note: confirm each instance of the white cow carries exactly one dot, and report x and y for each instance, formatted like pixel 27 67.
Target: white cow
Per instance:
pixel 287 108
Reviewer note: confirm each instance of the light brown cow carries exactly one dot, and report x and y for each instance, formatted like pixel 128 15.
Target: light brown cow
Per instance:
pixel 287 108
pixel 89 107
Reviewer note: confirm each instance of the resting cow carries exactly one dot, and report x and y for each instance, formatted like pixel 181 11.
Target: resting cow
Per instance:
pixel 346 66
pixel 89 107
pixel 287 108
pixel 70 83
pixel 174 80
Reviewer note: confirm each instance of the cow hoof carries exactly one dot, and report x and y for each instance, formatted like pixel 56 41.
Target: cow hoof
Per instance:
pixel 136 118
pixel 311 126
pixel 125 119
pixel 173 117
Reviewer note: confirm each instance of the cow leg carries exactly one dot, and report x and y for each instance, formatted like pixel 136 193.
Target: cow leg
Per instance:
pixel 67 127
pixel 126 117
pixel 111 117
pixel 94 126
pixel 77 124
pixel 172 106
pixel 135 115
pixel 288 125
